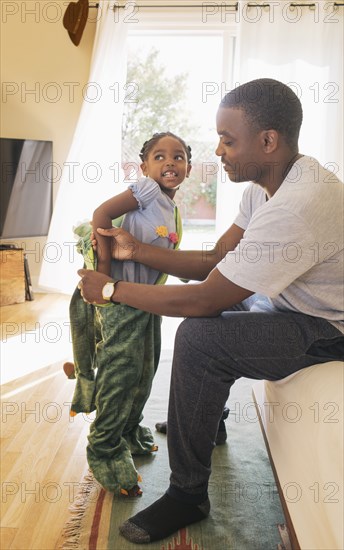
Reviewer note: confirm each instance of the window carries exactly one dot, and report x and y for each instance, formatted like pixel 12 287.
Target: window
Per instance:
pixel 176 79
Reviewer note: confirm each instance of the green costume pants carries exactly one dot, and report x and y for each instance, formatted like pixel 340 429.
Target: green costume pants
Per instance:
pixel 123 344
pixel 85 331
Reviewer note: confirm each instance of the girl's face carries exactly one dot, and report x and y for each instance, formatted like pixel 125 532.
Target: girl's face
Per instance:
pixel 167 164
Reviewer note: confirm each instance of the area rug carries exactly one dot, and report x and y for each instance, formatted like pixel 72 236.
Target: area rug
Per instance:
pixel 246 513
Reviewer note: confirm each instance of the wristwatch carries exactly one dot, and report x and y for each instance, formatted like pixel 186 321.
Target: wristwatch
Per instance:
pixel 109 289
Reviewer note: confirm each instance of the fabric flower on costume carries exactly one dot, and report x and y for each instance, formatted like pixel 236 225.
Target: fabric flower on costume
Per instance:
pixel 173 238
pixel 161 231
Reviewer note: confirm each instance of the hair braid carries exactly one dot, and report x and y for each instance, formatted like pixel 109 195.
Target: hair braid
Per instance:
pixel 149 144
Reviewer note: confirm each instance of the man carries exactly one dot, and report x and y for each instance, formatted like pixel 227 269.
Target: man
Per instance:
pixel 270 300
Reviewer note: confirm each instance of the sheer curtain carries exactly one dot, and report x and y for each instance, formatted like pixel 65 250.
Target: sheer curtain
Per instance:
pixel 92 170
pixel 302 47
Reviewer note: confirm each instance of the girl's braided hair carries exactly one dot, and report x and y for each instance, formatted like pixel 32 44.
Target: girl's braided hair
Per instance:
pixel 149 144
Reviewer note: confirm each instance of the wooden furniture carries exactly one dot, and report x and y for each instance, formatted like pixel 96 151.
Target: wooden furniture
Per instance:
pixel 12 276
pixel 301 417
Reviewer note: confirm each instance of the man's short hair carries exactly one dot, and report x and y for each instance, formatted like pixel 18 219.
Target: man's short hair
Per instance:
pixel 268 105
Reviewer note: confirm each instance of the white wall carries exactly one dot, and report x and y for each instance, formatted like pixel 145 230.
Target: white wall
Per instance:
pixel 43 75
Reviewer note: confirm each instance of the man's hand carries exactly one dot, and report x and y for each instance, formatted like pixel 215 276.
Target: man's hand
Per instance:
pixel 124 245
pixel 91 286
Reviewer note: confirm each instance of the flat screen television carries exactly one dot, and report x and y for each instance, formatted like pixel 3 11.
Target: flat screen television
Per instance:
pixel 26 187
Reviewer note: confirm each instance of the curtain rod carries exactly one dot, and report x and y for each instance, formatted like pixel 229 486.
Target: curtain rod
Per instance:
pixel 166 5
pixel 204 5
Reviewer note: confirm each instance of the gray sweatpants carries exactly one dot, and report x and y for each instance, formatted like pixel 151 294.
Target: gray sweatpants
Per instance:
pixel 210 354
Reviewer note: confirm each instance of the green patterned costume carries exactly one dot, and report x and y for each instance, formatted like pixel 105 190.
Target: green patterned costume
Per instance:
pixel 116 351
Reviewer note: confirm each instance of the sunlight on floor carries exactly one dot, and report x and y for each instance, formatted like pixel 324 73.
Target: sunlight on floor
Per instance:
pixel 28 386
pixel 35 349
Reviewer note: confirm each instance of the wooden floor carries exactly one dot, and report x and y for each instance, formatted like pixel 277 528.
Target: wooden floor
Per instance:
pixel 42 448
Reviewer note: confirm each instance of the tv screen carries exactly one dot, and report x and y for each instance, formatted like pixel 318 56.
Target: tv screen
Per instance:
pixel 26 187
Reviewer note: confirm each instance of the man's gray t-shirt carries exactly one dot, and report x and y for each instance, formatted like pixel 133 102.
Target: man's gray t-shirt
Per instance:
pixel 292 248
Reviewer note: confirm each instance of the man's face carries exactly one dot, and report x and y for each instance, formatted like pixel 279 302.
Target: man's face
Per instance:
pixel 240 147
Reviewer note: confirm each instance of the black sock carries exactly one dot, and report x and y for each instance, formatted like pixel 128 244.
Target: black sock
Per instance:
pixel 164 517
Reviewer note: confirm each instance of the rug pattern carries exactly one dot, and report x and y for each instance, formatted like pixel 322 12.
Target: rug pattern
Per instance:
pixel 246 513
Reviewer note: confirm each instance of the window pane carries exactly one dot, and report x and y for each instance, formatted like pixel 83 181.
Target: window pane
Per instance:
pixel 175 84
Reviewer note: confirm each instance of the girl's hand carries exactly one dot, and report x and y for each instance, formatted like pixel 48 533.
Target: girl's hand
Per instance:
pixel 124 245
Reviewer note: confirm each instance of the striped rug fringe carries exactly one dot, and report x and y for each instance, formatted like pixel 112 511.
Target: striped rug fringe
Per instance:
pixel 72 532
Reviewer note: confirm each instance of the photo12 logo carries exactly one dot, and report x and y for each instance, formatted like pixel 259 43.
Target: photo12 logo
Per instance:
pixel 57 12
pixel 253 12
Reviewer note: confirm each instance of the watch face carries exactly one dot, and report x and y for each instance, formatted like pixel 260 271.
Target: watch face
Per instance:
pixel 108 290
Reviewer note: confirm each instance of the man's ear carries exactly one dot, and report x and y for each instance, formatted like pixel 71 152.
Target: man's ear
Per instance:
pixel 269 140
pixel 144 169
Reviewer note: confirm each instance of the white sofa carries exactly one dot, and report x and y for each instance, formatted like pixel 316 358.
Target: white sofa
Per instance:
pixel 301 418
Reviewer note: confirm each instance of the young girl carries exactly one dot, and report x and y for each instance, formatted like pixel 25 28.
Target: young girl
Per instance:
pixel 121 342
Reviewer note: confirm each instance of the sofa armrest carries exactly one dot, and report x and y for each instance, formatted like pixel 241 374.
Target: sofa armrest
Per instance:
pixel 301 417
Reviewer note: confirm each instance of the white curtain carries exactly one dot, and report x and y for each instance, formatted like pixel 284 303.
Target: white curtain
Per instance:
pixel 302 47
pixel 92 170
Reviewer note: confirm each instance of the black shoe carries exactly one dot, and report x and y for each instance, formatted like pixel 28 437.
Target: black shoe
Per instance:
pixel 221 437
pixel 161 427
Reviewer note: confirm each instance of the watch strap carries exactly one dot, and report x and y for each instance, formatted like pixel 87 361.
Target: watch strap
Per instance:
pixel 114 281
